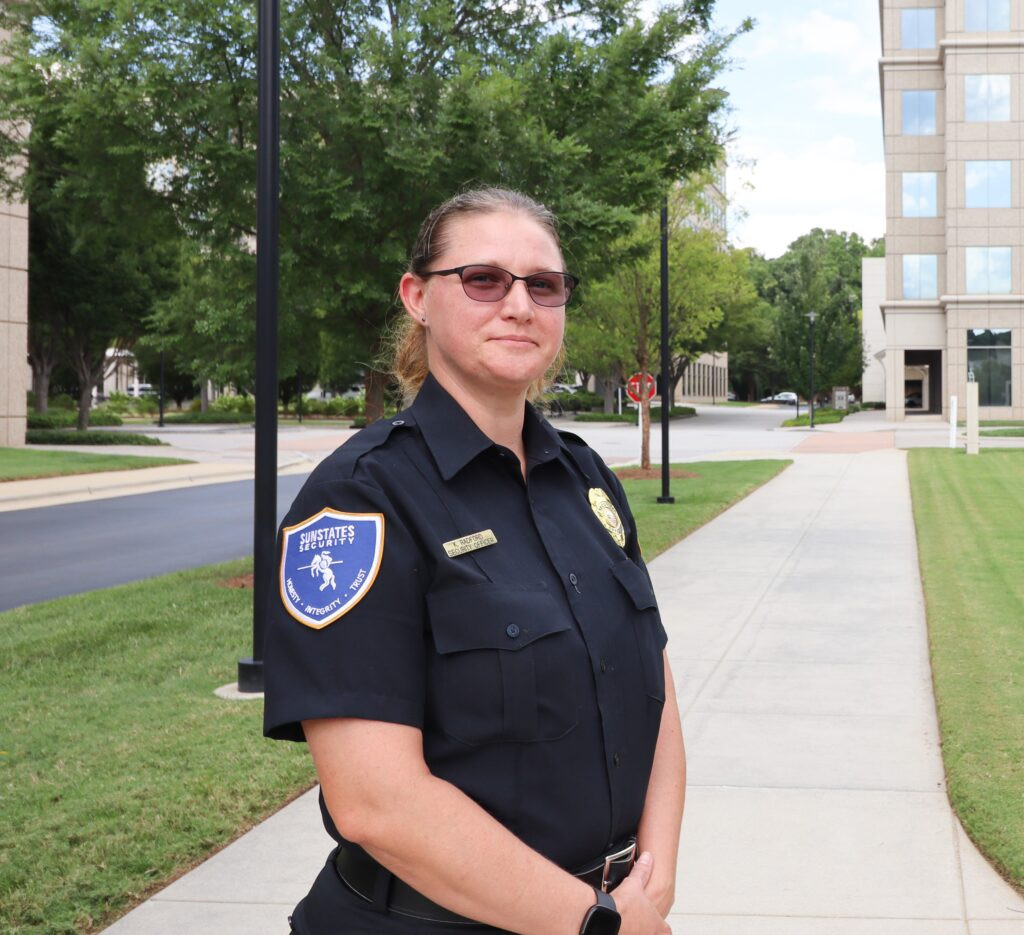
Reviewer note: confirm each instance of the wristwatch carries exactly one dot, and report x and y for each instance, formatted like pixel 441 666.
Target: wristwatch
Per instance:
pixel 602 918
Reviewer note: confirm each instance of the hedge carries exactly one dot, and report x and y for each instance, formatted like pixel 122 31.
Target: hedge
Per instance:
pixel 74 437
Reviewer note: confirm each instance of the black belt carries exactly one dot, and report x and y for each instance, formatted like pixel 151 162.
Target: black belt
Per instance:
pixel 369 880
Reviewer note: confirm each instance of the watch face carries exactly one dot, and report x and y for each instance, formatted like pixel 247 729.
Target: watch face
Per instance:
pixel 602 921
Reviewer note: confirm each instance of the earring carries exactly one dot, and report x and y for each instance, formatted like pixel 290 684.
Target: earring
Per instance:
pixel 423 320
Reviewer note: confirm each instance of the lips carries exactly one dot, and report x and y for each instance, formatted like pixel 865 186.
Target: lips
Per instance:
pixel 514 338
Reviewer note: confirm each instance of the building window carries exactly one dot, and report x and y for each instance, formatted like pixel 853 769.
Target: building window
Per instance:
pixel 919 195
pixel 986 98
pixel 920 276
pixel 988 361
pixel 917 29
pixel 988 270
pixel 918 113
pixel 987 16
pixel 987 183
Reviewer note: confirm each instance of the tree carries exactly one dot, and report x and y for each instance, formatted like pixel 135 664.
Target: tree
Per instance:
pixel 386 110
pixel 93 270
pixel 820 272
pixel 618 328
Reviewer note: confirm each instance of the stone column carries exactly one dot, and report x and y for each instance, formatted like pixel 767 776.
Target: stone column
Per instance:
pixel 14 372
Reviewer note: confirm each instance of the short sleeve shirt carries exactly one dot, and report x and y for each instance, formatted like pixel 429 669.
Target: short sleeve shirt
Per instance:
pixel 513 622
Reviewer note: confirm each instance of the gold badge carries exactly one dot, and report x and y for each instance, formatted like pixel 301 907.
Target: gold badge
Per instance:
pixel 470 543
pixel 605 511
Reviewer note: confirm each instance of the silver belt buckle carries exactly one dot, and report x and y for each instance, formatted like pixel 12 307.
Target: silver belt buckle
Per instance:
pixel 627 854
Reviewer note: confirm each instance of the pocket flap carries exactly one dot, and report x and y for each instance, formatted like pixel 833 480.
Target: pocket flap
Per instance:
pixel 491 617
pixel 634 579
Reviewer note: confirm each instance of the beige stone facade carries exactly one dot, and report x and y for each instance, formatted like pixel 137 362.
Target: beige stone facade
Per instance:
pixel 952 79
pixel 706 380
pixel 13 321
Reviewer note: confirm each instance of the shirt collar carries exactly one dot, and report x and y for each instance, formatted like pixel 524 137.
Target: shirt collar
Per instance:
pixel 454 439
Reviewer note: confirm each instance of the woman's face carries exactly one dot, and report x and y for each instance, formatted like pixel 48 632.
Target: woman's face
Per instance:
pixel 488 347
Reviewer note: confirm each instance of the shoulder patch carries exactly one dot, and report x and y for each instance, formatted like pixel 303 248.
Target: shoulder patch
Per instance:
pixel 328 563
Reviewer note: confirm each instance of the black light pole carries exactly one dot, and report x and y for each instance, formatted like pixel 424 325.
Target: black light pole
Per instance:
pixel 160 423
pixel 810 317
pixel 250 670
pixel 666 392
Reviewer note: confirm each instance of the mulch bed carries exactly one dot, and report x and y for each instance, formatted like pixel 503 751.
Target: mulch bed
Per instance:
pixel 239 581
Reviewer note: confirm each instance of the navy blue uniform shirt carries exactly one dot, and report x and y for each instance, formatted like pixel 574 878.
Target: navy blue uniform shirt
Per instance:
pixel 532 665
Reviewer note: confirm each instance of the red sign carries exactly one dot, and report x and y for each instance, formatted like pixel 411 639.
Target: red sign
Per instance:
pixel 640 383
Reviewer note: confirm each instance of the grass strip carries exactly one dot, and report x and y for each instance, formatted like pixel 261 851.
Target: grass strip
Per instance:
pixel 677 412
pixel 717 486
pixel 969 512
pixel 1004 433
pixel 119 769
pixel 821 417
pixel 29 463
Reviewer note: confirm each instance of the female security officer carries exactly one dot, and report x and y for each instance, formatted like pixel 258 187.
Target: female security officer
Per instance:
pixel 466 635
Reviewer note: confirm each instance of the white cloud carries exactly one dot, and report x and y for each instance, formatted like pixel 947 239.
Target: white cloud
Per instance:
pixel 823 34
pixel 825 185
pixel 849 98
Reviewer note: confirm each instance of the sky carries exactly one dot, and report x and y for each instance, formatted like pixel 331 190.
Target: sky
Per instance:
pixel 806 118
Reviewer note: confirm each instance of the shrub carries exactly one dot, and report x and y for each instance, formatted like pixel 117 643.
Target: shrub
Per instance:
pixel 54 419
pixel 246 404
pixel 62 401
pixel 211 417
pixel 103 417
pixel 73 437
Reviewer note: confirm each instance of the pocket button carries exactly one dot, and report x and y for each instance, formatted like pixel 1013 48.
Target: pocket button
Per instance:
pixel 512 631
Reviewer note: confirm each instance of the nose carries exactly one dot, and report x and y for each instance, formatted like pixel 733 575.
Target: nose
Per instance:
pixel 518 302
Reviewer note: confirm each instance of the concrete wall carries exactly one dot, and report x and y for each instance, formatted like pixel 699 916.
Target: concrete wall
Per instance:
pixel 873 328
pixel 13 321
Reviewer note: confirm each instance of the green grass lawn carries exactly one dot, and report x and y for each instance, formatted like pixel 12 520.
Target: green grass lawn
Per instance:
pixel 1003 433
pixel 821 417
pixel 969 512
pixel 26 463
pixel 119 769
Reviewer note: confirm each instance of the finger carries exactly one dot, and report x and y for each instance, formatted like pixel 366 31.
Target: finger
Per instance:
pixel 642 868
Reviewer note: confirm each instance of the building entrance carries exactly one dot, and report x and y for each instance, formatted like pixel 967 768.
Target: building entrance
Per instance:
pixel 922 382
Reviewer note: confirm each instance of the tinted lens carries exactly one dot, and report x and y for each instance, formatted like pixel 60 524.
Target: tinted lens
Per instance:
pixel 485 283
pixel 549 288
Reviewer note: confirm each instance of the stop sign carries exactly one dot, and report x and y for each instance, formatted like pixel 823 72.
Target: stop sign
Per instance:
pixel 639 384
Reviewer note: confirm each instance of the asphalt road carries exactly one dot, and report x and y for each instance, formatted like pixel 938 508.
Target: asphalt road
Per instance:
pixel 58 550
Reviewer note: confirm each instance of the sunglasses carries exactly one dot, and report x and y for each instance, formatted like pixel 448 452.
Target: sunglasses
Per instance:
pixel 492 283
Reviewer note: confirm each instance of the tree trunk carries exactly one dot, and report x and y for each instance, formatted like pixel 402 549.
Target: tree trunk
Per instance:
pixel 608 387
pixel 376 380
pixel 84 403
pixel 204 395
pixel 41 371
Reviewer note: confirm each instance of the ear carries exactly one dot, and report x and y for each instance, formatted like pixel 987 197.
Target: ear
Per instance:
pixel 411 290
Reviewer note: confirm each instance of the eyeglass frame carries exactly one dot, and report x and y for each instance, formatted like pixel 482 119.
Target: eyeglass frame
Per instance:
pixel 459 270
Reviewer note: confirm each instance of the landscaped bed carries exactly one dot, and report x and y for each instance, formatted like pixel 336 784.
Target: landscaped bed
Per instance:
pixel 969 512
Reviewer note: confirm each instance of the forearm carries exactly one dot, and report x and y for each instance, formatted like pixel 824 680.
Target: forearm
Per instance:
pixel 663 808
pixel 440 842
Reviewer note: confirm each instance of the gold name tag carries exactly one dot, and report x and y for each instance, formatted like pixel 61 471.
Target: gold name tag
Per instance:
pixel 470 543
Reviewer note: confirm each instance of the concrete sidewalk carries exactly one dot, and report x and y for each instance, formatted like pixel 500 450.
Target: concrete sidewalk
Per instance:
pixel 816 801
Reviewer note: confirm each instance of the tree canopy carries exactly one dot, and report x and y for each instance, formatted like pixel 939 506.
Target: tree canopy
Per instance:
pixel 386 109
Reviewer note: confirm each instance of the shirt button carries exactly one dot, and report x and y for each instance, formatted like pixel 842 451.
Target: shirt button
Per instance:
pixel 615 760
pixel 573 580
pixel 604 666
pixel 398 422
pixel 512 631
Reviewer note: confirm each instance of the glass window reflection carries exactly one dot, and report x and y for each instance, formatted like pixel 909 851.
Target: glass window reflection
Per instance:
pixel 918 113
pixel 986 98
pixel 987 183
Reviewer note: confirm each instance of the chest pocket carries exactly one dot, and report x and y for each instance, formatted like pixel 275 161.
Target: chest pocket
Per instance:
pixel 507 666
pixel 650 633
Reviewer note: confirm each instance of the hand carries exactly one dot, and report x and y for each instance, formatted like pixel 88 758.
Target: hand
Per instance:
pixel 640 915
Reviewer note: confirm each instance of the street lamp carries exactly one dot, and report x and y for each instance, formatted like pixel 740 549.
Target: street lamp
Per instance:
pixel 811 316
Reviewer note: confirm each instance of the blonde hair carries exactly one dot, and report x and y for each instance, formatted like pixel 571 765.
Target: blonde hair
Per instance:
pixel 408 340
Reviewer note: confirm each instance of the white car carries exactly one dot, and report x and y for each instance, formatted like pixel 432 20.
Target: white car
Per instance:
pixel 786 398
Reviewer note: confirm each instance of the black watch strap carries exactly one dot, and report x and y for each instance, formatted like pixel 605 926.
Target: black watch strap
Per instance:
pixel 602 918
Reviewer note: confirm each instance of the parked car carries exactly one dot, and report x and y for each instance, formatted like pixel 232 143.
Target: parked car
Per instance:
pixel 913 401
pixel 141 389
pixel 787 398
pixel 562 388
